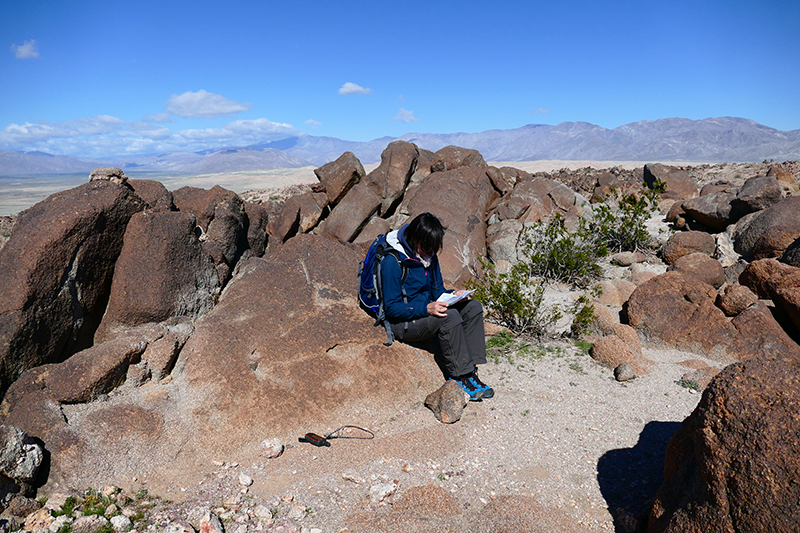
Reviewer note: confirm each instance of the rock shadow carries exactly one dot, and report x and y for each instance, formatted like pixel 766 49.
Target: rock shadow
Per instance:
pixel 630 477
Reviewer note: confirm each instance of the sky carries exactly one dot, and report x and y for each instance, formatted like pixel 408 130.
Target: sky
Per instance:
pixel 109 78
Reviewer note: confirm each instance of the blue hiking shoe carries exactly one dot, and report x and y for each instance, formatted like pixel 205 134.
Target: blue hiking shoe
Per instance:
pixel 487 391
pixel 475 394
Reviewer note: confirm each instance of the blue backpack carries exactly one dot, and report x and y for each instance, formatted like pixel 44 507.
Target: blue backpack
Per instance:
pixel 370 291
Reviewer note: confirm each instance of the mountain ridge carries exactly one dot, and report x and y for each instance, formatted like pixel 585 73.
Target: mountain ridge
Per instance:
pixel 720 139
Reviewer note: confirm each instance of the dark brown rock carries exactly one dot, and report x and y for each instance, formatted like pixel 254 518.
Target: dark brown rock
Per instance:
pixel 679 184
pixel 351 215
pixel 734 299
pixel 453 157
pixel 155 195
pixel 715 211
pixel 162 271
pixel 680 312
pixel 772 279
pixel 447 402
pixel 771 231
pixel 390 179
pixel 298 215
pixel 257 221
pixel 701 267
pixel 504 178
pixel 786 180
pixel 221 215
pixel 338 177
pixel 731 466
pixel 57 269
pixel 94 371
pixel 460 199
pixel 758 276
pixel 687 242
pixel 755 195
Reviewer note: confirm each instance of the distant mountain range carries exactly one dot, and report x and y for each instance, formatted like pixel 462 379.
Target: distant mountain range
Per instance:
pixel 725 139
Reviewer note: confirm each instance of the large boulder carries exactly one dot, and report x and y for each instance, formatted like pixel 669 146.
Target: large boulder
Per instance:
pixel 352 213
pixel 714 210
pixel 679 312
pixel 770 232
pixel 162 271
pixel 390 179
pixel 701 267
pixel 57 269
pixel 679 184
pixel 459 198
pixel 155 195
pixel 298 350
pixel 771 279
pixel 221 215
pixel 685 243
pixel 757 194
pixel 453 157
pixel 338 177
pixel 286 350
pixel 298 215
pixel 732 466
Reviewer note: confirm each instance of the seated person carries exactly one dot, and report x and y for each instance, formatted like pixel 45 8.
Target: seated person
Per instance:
pixel 417 316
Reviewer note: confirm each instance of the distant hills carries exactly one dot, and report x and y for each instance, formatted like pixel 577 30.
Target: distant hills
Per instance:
pixel 725 139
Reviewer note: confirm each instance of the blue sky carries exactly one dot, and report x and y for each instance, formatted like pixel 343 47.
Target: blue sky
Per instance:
pixel 107 78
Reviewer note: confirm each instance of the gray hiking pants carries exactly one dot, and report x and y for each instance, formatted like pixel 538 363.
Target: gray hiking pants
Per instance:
pixel 460 334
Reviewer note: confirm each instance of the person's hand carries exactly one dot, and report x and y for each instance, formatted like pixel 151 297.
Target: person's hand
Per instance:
pixel 459 292
pixel 437 309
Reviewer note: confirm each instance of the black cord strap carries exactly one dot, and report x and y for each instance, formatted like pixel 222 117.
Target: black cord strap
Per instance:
pixel 333 434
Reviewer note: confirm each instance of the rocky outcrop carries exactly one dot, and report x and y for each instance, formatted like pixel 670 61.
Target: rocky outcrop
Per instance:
pixel 731 466
pixel 338 177
pixel 771 231
pixel 687 242
pixel 162 271
pixel 679 312
pixel 772 279
pixel 679 185
pixel 701 267
pixel 450 195
pixel 221 216
pixel 58 266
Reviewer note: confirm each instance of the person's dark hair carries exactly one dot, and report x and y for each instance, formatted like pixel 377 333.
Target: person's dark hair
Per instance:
pixel 425 233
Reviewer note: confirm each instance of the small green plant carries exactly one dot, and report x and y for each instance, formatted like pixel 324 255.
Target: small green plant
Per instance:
pixel 576 367
pixel 68 508
pixel 442 476
pixel 526 412
pixel 584 317
pixel 65 528
pixel 514 299
pixel 553 252
pixel 689 384
pixel 583 346
pixel 621 228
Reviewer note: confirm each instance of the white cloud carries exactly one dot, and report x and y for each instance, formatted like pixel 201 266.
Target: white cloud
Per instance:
pixel 311 123
pixel 203 104
pixel 158 118
pixel 404 115
pixel 106 136
pixel 540 111
pixel 27 50
pixel 353 88
pixel 43 130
